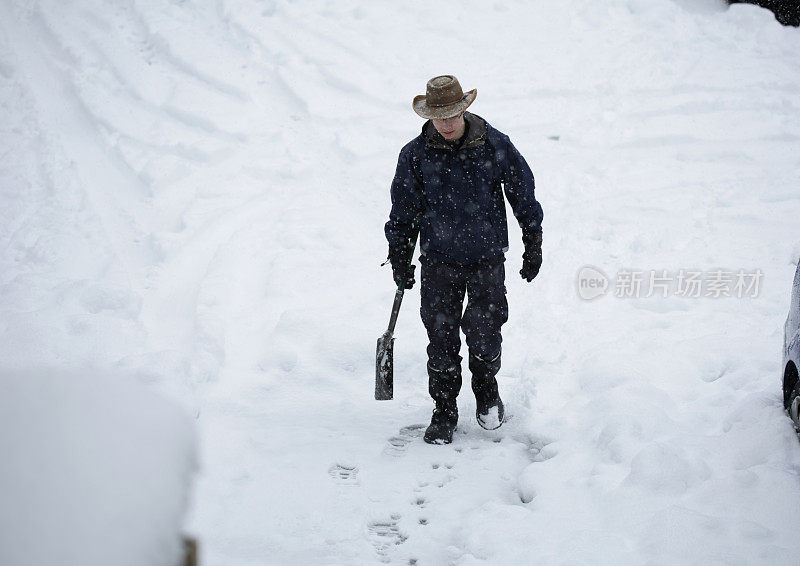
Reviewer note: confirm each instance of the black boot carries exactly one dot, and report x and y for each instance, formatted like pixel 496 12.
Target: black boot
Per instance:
pixel 443 385
pixel 487 398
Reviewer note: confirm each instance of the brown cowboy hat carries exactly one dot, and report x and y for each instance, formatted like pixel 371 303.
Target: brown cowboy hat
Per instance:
pixel 443 98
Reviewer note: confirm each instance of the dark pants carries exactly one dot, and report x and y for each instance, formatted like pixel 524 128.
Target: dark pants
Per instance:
pixel 443 288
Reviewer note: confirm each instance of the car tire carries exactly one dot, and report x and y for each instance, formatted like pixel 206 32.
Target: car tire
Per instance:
pixel 794 406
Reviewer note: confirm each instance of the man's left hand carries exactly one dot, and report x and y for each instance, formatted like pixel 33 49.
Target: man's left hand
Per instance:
pixel 532 258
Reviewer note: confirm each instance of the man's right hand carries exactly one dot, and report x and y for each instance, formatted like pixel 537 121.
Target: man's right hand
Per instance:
pixel 403 273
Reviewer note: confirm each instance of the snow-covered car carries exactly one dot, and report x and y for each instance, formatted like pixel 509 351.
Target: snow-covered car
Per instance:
pixel 791 354
pixel 96 469
pixel 787 12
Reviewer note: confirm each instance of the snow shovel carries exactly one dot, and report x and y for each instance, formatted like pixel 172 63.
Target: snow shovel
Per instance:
pixel 384 360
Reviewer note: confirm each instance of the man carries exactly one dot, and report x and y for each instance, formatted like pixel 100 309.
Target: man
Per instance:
pixel 448 183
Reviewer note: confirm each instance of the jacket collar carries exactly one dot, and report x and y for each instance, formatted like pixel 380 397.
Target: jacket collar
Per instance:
pixel 475 136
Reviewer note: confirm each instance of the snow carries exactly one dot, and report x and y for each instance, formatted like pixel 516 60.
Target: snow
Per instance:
pixel 193 196
pixel 96 470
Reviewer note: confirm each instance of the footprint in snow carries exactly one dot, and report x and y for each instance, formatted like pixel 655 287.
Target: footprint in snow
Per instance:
pixel 414 430
pixel 397 445
pixel 344 474
pixel 539 449
pixel 385 535
pixel 446 480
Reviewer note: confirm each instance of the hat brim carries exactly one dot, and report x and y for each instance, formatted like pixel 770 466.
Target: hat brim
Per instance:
pixel 443 112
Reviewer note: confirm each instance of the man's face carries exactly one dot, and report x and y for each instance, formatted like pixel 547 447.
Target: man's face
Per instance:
pixel 451 128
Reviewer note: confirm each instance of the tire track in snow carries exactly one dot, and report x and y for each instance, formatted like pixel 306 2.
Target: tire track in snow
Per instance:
pixel 170 309
pixel 272 70
pixel 119 208
pixel 296 85
pixel 163 49
pixel 119 57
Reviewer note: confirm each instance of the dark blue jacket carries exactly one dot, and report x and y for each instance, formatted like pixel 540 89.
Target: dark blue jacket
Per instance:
pixel 456 192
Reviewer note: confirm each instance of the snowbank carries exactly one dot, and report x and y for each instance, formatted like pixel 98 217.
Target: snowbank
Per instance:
pixel 94 471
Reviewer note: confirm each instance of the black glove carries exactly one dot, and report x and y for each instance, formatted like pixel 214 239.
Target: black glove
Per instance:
pixel 532 258
pixel 403 273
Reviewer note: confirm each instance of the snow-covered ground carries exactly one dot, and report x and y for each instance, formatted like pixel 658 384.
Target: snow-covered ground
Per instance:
pixel 193 194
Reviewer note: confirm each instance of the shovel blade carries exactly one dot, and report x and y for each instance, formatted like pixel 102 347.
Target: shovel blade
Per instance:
pixel 384 368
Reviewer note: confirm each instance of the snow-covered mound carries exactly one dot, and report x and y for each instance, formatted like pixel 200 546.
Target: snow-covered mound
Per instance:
pixel 193 194
pixel 95 471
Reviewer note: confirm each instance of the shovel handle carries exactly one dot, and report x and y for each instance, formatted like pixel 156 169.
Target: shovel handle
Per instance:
pixel 398 296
